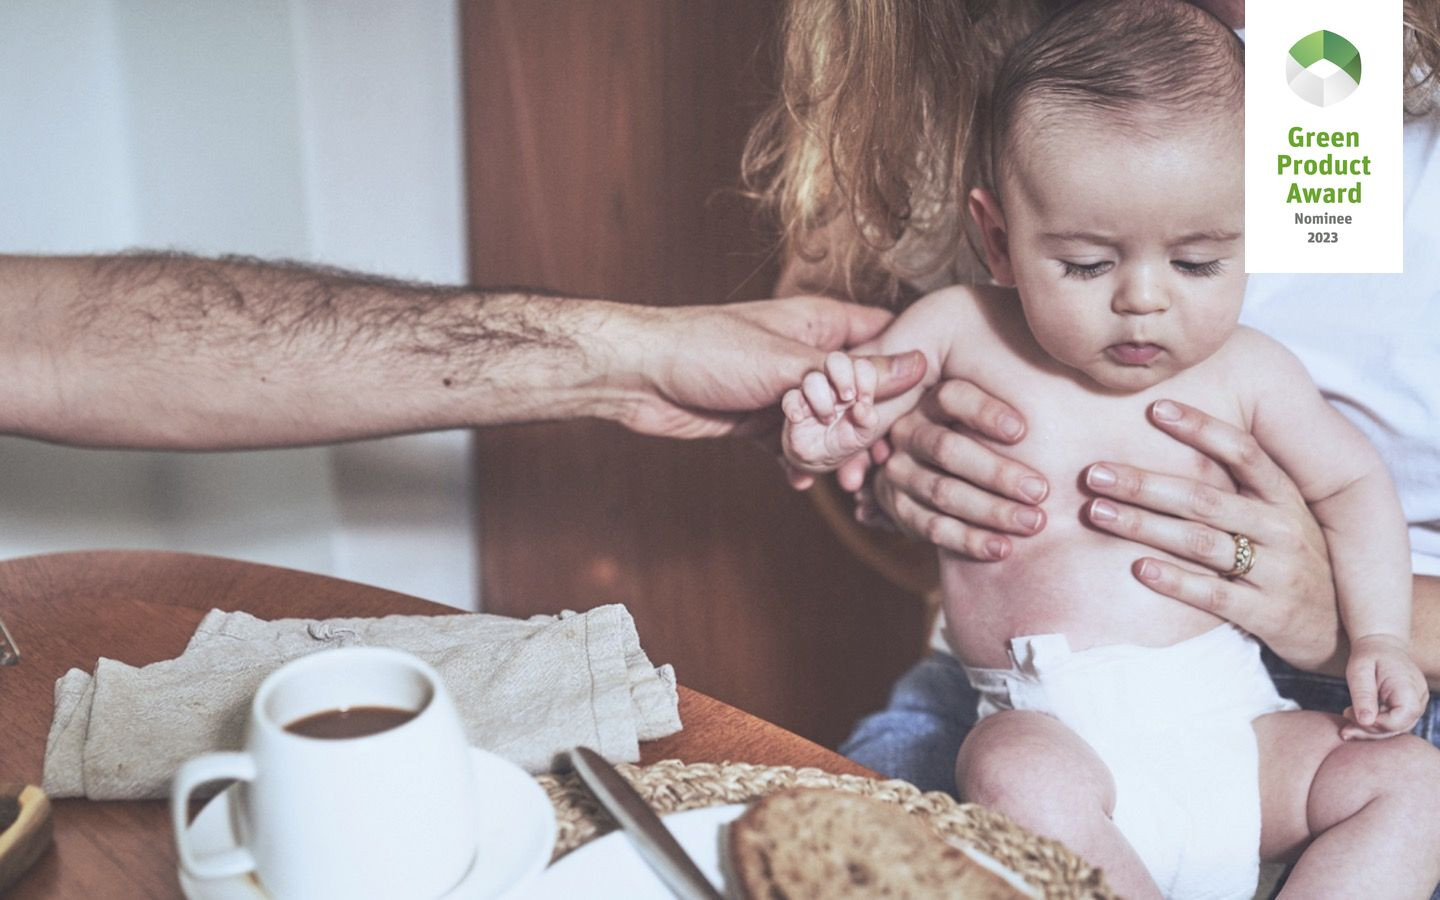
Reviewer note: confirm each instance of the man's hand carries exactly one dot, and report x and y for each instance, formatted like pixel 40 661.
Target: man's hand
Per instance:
pixel 182 352
pixel 709 371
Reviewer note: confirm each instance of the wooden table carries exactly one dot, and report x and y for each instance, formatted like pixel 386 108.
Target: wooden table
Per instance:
pixel 66 610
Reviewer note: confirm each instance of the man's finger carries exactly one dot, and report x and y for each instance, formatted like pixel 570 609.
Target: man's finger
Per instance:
pixel 821 323
pixel 863 323
pixel 1235 448
pixel 898 373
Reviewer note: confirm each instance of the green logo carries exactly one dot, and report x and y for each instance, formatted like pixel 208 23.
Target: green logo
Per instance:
pixel 1323 68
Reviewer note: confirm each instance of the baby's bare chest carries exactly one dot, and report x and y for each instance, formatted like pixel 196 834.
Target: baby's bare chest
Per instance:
pixel 1070 426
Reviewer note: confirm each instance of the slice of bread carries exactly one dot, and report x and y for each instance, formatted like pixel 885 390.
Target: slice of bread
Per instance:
pixel 807 842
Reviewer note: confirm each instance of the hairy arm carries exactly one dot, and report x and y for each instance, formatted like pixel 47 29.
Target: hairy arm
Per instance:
pixel 173 351
pixel 162 350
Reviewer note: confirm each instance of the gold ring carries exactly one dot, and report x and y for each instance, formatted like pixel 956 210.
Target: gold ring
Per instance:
pixel 1244 557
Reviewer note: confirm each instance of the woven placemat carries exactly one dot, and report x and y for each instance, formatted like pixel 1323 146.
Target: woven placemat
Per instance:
pixel 673 786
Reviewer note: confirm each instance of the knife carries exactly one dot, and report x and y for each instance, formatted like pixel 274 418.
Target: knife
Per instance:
pixel 656 845
pixel 9 653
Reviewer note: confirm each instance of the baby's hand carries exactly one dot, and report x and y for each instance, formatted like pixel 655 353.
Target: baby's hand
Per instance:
pixel 1387 689
pixel 831 416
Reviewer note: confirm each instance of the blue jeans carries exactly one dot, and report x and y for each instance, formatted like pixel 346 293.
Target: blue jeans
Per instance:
pixel 932 707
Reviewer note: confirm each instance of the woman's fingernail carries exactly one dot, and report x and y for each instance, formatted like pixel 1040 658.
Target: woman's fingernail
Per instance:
pixel 1166 411
pixel 1099 476
pixel 997 548
pixel 1029 519
pixel 1033 488
pixel 1100 511
pixel 1147 570
pixel 1010 426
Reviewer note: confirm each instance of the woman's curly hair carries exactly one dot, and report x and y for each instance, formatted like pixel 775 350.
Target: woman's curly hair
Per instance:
pixel 870 137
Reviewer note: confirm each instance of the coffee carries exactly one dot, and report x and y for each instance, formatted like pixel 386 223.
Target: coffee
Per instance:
pixel 352 722
pixel 343 751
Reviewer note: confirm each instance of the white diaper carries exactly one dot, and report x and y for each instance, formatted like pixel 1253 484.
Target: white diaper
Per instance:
pixel 1173 726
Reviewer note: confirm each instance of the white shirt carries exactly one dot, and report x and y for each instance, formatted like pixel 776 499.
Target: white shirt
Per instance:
pixel 1372 344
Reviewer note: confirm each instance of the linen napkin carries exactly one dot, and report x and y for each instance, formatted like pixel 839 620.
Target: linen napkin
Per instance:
pixel 525 689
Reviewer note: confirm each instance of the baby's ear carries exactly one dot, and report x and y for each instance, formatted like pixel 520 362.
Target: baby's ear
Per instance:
pixel 985 209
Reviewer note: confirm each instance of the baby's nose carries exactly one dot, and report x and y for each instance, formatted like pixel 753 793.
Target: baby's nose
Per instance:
pixel 1139 294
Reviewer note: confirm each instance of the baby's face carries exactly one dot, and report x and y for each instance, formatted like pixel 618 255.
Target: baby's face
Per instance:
pixel 1127 251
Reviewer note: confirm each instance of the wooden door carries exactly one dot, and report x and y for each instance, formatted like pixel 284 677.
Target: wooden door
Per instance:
pixel 603 146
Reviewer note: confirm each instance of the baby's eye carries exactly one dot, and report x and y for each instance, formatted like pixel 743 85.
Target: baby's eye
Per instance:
pixel 1199 269
pixel 1084 270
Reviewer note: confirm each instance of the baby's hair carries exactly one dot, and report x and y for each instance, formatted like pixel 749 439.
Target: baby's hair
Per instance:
pixel 862 146
pixel 1137 65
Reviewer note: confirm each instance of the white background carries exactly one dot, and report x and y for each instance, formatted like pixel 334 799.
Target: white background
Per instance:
pixel 1273 242
pixel 309 129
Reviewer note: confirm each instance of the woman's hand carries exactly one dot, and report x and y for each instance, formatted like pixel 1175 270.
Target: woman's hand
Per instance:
pixel 1288 598
pixel 941 484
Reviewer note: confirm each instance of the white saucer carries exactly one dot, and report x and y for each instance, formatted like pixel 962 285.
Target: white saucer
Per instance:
pixel 610 866
pixel 514 847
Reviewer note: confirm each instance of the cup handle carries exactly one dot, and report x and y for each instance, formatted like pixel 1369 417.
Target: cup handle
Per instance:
pixel 195 772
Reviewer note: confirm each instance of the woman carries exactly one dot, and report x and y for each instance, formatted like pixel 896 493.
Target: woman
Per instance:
pixel 863 159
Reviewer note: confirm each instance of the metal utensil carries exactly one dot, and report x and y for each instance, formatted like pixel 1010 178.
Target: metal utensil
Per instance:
pixel 656 845
pixel 9 653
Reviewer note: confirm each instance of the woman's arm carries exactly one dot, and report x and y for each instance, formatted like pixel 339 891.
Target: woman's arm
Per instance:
pixel 172 351
pixel 1288 601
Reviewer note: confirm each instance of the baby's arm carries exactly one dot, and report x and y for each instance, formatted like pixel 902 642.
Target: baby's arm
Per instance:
pixel 1343 478
pixel 832 415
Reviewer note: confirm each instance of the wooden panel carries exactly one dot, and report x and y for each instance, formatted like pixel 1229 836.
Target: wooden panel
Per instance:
pixel 603 145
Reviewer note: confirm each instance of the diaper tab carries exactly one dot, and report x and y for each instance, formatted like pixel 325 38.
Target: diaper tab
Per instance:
pixel 1036 654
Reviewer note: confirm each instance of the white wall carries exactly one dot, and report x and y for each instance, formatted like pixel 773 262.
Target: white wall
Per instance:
pixel 309 129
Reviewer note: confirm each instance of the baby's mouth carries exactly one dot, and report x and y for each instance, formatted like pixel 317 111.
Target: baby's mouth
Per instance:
pixel 1134 354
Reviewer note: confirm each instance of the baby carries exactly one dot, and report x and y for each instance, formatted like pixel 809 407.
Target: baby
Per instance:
pixel 1142 732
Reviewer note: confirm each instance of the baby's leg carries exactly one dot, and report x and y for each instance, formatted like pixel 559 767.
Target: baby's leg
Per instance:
pixel 1045 777
pixel 1364 816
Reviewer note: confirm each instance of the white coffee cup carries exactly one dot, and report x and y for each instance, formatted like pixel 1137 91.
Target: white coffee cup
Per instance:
pixel 389 814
